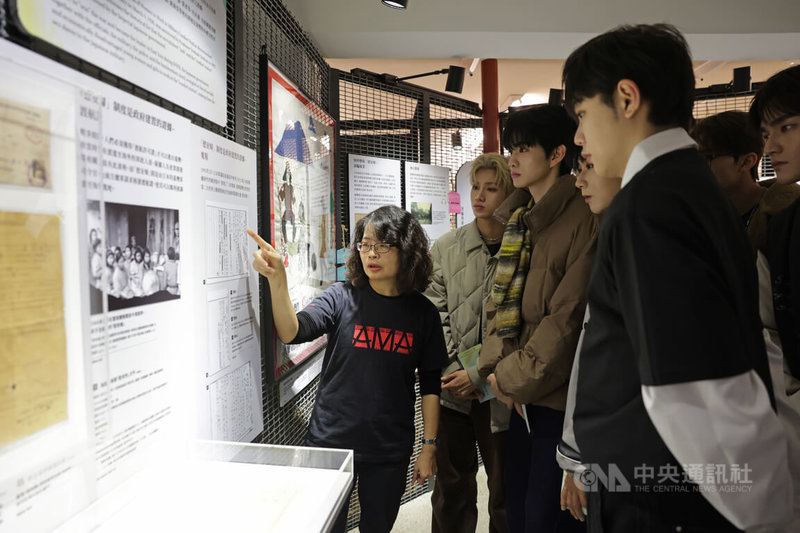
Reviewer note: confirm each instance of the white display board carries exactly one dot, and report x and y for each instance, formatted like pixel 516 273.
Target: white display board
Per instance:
pixel 374 182
pixel 43 383
pixel 426 197
pixel 229 403
pixel 136 170
pixel 120 175
pixel 463 188
pixel 175 49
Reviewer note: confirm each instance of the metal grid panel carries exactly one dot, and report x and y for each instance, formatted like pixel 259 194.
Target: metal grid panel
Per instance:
pixel 445 122
pixel 376 122
pixel 707 106
pixel 451 120
pixel 268 25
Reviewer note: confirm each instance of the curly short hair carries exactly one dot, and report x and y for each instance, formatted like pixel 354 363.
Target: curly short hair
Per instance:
pixel 495 162
pixel 400 228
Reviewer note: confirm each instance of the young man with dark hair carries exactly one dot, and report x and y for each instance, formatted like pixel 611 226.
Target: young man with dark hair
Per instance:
pixel 776 111
pixel 534 314
pixel 673 398
pixel 733 149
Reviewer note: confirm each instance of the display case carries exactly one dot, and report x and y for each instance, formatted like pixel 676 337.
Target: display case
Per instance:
pixel 225 486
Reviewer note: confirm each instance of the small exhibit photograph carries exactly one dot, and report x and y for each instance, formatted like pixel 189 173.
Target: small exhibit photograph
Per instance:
pixel 134 257
pixel 423 211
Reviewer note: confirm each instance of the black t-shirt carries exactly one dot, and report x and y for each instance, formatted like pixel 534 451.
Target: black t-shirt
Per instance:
pixel 366 397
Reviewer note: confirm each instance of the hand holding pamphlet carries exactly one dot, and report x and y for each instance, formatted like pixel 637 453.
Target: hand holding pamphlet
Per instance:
pixel 469 358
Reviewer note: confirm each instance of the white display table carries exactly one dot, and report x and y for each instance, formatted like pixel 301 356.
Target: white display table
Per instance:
pixel 228 487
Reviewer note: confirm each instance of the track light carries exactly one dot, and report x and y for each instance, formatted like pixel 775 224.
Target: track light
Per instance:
pixel 455 140
pixel 455 79
pixel 395 4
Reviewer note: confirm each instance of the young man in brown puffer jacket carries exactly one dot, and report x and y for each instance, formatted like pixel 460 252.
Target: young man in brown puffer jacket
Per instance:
pixel 536 311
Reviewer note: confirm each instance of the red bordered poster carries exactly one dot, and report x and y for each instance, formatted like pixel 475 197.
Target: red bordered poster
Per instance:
pixel 301 201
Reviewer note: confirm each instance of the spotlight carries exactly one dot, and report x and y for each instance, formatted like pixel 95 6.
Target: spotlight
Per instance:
pixel 455 79
pixel 455 140
pixel 396 4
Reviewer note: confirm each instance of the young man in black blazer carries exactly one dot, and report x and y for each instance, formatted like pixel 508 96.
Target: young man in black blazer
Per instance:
pixel 674 408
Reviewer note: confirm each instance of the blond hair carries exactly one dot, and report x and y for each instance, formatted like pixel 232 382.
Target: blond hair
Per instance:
pixel 495 162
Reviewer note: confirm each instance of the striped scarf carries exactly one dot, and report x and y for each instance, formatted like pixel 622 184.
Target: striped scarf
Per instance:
pixel 512 268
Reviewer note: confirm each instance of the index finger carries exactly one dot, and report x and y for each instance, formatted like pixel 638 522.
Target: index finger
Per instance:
pixel 261 242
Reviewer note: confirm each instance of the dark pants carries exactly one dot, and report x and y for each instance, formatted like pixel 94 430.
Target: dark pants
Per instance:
pixel 623 512
pixel 380 487
pixel 455 493
pixel 533 477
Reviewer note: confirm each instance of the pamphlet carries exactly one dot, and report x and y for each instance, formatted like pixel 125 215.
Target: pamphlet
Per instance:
pixel 469 358
pixel 525 417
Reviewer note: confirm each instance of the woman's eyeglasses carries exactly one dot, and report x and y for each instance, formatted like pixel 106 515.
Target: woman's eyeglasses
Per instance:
pixel 380 247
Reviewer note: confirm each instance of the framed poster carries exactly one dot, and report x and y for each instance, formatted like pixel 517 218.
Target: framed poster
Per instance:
pixel 299 185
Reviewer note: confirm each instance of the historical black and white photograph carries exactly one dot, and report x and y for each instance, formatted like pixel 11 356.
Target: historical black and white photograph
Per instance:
pixel 134 257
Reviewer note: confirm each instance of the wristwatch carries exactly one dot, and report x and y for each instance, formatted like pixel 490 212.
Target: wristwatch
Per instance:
pixel 434 441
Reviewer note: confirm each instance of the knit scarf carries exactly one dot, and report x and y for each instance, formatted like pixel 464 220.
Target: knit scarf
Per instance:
pixel 512 269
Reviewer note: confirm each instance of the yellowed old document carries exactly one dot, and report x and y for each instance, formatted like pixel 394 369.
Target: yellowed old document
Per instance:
pixel 33 351
pixel 24 145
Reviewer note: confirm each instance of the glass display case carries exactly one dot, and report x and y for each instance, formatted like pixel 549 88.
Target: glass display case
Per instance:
pixel 225 486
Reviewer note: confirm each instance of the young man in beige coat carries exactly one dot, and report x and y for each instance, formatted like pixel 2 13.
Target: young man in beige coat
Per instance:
pixel 464 262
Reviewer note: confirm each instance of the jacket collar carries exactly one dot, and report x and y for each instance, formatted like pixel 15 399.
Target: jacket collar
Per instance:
pixel 778 196
pixel 653 147
pixel 547 209
pixel 472 237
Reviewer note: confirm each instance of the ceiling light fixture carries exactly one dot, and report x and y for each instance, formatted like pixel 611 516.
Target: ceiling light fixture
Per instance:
pixel 474 65
pixel 395 4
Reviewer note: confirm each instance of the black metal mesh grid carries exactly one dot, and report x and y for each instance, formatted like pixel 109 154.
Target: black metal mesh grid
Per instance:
pixel 705 106
pixel 448 120
pixel 403 122
pixel 267 25
pixel 376 122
